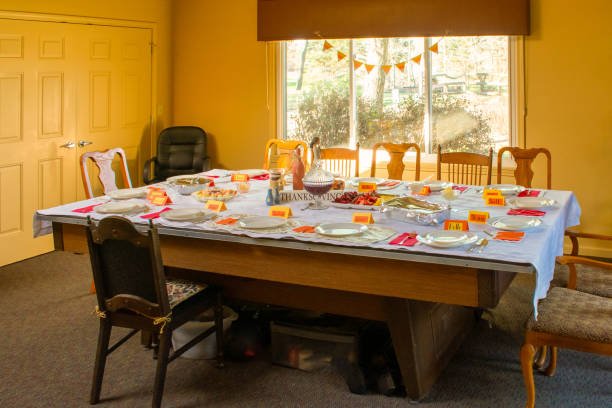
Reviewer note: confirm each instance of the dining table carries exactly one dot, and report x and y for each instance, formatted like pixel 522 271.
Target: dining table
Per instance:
pixel 428 295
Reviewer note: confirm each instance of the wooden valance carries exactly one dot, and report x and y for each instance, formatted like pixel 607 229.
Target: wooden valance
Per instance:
pixel 315 19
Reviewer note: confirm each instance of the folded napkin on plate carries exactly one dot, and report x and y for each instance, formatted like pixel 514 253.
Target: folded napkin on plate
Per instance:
pixel 405 239
pixel 305 229
pixel 154 215
pixel 529 193
pixel 261 177
pixel 85 210
pixel 389 183
pixel 523 211
pixel 461 189
pixel 227 221
pixel 513 236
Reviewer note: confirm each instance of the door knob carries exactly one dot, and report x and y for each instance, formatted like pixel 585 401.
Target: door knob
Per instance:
pixel 68 145
pixel 83 143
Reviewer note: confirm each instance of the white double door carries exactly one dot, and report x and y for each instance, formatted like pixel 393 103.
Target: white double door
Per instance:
pixel 65 89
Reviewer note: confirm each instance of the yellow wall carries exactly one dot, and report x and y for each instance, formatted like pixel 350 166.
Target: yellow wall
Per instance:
pixel 220 79
pixel 154 11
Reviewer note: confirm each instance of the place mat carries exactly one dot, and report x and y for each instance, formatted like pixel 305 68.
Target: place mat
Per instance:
pixel 510 236
pixel 305 229
pixel 260 177
pixel 154 215
pixel 227 221
pixel 529 193
pixel 461 189
pixel 522 211
pixel 405 239
pixel 87 209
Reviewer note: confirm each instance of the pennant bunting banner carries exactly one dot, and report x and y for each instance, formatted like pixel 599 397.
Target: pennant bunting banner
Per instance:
pixel 327 45
pixel 401 66
pixel 369 67
pixel 434 48
pixel 417 59
pixel 357 64
pixel 386 68
pixel 341 55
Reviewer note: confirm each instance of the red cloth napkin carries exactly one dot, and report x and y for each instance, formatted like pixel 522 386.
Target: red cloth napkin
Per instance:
pixel 85 210
pixel 522 211
pixel 406 239
pixel 390 183
pixel 261 177
pixel 152 216
pixel 461 189
pixel 511 236
pixel 529 193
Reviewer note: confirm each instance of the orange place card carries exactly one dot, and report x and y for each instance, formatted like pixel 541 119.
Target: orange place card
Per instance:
pixel 227 221
pixel 498 201
pixel 456 225
pixel 155 192
pixel 160 200
pixel 426 190
pixel 240 178
pixel 366 187
pixel 280 211
pixel 478 217
pixel 363 218
pixel 491 193
pixel 216 206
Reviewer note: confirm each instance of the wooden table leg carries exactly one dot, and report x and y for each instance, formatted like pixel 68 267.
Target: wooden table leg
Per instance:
pixel 425 336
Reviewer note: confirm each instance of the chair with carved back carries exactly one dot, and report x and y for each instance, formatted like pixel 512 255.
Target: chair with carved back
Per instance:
pixel 341 161
pixel 278 153
pixel 465 168
pixel 396 166
pixel 134 293
pixel 107 176
pixel 523 174
pixel 570 319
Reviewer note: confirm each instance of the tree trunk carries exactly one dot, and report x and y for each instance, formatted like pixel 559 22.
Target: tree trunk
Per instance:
pixel 298 86
pixel 378 53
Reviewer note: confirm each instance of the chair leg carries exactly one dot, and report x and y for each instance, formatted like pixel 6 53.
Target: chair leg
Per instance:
pixel 162 365
pixel 219 330
pixel 552 364
pixel 527 353
pixel 100 363
pixel 540 358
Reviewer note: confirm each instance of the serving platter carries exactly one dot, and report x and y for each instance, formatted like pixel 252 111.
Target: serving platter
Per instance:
pixel 515 222
pixel 531 202
pixel 340 229
pixel 127 193
pixel 447 239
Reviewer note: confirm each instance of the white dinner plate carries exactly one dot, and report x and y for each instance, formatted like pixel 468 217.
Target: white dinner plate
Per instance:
pixel 262 222
pixel 531 202
pixel 183 176
pixel 506 189
pixel 252 172
pixel 356 180
pixel 447 239
pixel 120 207
pixel 437 185
pixel 340 229
pixel 186 214
pixel 514 222
pixel 127 193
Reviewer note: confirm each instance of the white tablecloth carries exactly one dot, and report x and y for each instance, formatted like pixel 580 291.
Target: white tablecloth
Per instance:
pixel 539 247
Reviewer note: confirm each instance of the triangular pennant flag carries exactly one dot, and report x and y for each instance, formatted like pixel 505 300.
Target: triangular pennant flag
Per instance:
pixel 327 45
pixel 357 64
pixel 386 68
pixel 401 66
pixel 417 59
pixel 341 56
pixel 434 48
pixel 369 67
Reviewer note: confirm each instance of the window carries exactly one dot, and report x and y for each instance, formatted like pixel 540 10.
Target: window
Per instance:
pixel 452 91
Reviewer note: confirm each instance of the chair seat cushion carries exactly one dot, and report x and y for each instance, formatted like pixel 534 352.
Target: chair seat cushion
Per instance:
pixel 570 313
pixel 180 290
pixel 591 280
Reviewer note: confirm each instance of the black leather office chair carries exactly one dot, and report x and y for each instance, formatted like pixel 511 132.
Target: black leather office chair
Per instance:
pixel 180 150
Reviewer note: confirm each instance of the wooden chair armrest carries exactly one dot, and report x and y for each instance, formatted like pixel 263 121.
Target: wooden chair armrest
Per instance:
pixel 572 260
pixel 574 235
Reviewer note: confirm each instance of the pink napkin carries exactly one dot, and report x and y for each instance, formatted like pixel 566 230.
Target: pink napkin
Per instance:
pixel 522 211
pixel 405 239
pixel 389 183
pixel 152 216
pixel 461 189
pixel 529 193
pixel 85 210
pixel 261 177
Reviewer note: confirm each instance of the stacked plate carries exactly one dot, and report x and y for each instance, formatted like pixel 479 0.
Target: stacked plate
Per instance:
pixel 381 183
pixel 531 202
pixel 127 193
pixel 121 207
pixel 515 222
pixel 506 189
pixel 447 239
pixel 340 229
pixel 262 222
pixel 187 215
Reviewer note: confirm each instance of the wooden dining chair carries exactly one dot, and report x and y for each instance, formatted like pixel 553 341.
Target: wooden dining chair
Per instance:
pixel 107 176
pixel 465 168
pixel 134 293
pixel 570 319
pixel 523 174
pixel 395 167
pixel 278 153
pixel 340 161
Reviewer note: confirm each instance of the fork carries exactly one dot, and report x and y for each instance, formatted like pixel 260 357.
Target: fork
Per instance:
pixel 478 245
